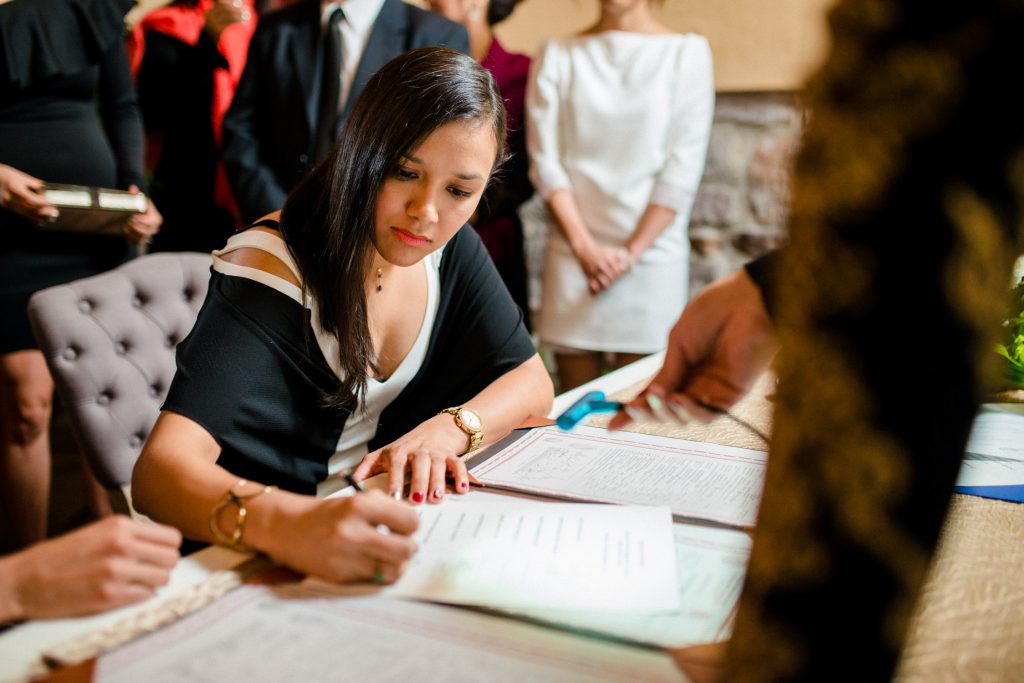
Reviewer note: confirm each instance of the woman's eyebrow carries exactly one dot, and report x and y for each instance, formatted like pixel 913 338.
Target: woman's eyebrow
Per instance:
pixel 460 176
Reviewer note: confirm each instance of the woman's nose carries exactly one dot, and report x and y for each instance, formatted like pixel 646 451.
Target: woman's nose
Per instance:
pixel 421 207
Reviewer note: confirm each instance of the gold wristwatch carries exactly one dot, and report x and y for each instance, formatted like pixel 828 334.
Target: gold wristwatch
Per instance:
pixel 468 421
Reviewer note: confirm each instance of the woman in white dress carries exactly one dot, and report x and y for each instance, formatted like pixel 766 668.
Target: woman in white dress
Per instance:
pixel 618 121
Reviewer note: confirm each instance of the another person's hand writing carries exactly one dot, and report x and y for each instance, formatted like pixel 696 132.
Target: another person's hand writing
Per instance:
pixel 429 451
pixel 20 193
pixel 107 564
pixel 721 343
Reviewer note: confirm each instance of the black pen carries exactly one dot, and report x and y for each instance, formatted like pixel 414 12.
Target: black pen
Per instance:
pixel 353 483
pixel 358 486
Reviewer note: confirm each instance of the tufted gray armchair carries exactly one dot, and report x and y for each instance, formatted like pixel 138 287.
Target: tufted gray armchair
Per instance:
pixel 109 343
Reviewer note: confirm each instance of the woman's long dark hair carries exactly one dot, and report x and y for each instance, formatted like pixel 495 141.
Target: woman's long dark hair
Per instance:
pixel 328 220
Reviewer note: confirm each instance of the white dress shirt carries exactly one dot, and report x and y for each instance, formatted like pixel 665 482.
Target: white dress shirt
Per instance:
pixel 355 33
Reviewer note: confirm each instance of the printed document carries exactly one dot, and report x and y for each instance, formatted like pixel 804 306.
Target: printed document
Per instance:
pixel 712 564
pixel 289 633
pixel 555 555
pixel 995 449
pixel 696 480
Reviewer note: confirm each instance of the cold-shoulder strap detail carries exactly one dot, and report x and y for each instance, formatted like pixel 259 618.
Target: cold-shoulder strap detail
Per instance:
pixel 271 244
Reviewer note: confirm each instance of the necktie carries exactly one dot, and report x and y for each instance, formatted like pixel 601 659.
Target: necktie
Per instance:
pixel 330 85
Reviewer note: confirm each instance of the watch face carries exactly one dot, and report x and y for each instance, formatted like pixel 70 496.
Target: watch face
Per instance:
pixel 470 419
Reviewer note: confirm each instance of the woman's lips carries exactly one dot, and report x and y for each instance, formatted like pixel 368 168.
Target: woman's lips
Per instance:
pixel 409 238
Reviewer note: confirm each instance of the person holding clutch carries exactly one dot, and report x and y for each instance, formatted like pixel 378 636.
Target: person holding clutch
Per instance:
pixel 61 58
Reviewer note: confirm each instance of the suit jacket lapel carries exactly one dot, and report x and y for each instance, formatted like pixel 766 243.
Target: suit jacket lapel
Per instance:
pixel 387 40
pixel 305 54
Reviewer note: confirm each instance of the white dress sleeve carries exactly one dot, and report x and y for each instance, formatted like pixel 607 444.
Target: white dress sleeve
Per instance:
pixel 693 109
pixel 543 100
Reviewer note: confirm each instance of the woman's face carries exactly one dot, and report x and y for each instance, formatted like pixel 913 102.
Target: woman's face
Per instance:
pixel 433 190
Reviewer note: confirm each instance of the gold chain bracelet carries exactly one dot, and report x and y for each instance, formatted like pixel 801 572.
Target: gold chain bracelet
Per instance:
pixel 234 539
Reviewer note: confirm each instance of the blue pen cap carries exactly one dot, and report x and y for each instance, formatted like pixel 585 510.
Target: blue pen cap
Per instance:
pixel 591 402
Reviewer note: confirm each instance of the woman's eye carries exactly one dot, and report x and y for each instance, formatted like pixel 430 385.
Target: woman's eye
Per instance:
pixel 462 194
pixel 404 174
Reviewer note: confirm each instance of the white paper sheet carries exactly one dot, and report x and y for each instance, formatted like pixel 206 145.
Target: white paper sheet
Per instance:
pixel 711 563
pixel 696 480
pixel 260 634
pixel 563 555
pixel 995 450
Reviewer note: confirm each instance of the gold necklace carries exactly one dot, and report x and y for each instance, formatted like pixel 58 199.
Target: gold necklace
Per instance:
pixel 380 279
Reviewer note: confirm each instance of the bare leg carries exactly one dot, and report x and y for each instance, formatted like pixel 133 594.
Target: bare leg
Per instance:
pixel 26 395
pixel 99 500
pixel 575 369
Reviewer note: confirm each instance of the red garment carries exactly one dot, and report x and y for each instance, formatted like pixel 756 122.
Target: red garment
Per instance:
pixel 499 228
pixel 497 220
pixel 510 70
pixel 185 23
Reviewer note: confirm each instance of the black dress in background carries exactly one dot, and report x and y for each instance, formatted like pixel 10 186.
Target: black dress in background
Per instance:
pixel 186 79
pixel 68 114
pixel 175 86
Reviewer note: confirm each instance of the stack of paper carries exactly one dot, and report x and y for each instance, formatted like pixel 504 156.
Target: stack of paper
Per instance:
pixel 696 480
pixel 993 465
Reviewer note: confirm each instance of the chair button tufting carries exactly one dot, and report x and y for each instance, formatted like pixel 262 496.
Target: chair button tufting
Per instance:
pixel 171 341
pixel 85 306
pixel 135 441
pixel 137 301
pixel 121 348
pixel 154 391
pixel 70 353
pixel 104 398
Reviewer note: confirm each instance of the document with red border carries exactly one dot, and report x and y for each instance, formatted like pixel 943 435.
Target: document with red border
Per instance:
pixel 695 480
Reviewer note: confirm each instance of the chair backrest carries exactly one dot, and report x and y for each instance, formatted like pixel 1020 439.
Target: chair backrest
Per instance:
pixel 109 343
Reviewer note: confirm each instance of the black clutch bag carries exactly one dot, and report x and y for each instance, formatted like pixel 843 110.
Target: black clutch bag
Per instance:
pixel 94 210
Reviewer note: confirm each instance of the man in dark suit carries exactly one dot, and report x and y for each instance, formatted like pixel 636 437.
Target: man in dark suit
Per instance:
pixel 270 132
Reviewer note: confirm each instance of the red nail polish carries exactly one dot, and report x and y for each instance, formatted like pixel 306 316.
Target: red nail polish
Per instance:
pixel 463 485
pixel 417 497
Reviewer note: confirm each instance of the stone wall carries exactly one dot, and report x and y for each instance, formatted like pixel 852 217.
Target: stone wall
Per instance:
pixel 742 204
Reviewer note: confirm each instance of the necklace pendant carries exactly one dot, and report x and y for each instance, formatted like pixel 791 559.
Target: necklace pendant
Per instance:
pixel 380 280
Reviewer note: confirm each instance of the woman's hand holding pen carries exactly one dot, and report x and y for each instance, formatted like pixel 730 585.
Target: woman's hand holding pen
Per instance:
pixel 429 452
pixel 721 343
pixel 338 539
pixel 111 563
